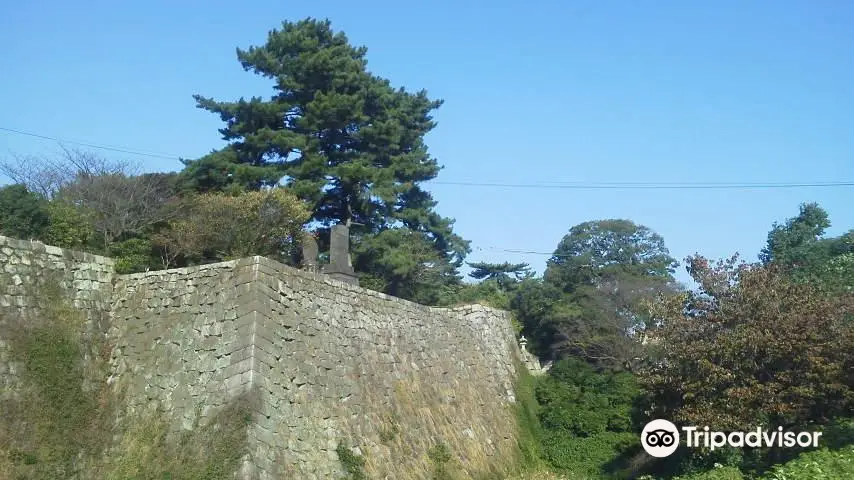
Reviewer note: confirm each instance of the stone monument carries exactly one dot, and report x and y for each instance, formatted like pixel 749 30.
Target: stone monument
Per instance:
pixel 309 252
pixel 340 267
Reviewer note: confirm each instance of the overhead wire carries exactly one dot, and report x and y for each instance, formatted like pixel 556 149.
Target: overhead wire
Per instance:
pixel 575 185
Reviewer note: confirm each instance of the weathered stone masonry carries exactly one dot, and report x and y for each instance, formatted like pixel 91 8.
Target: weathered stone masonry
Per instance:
pixel 332 362
pixel 85 278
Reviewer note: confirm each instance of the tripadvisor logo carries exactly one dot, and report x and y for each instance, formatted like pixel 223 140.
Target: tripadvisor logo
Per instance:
pixel 660 438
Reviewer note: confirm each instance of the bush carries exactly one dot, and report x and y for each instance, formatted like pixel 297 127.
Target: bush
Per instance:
pixel 133 255
pixel 719 473
pixel 354 465
pixel 587 419
pixel 580 401
pixel 820 464
pixel 587 457
pixel 70 226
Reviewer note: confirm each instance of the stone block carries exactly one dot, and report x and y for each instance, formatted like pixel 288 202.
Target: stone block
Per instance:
pixel 327 356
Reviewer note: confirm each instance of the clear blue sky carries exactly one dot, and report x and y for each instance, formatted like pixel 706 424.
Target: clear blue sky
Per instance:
pixel 672 91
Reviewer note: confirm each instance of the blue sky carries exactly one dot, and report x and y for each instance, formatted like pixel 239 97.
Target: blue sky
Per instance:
pixel 619 91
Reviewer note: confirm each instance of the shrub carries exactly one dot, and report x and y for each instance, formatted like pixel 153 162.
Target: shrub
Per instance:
pixel 820 464
pixel 354 465
pixel 133 255
pixel 587 418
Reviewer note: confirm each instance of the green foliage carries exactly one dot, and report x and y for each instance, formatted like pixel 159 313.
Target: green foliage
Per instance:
pixel 529 428
pixel 346 142
pixel 797 248
pixel 440 455
pixel 794 242
pixel 543 310
pixel 587 305
pixel 504 274
pixel 607 249
pixel 403 263
pixel 822 464
pixel 70 227
pixel 587 418
pixel 133 255
pixel 55 416
pixel 716 473
pixel 62 419
pixel 23 214
pixel 587 457
pixel 838 273
pixel 354 465
pixel 752 347
pixel 388 434
pixel 217 226
pixel 498 282
pixel 582 402
pixel 487 292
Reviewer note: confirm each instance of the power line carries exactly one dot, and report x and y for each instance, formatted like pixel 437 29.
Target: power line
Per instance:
pixel 526 252
pixel 653 186
pixel 578 185
pixel 92 145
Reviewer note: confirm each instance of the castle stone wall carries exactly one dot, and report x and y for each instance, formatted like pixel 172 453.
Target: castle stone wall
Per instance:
pixel 332 363
pixel 27 268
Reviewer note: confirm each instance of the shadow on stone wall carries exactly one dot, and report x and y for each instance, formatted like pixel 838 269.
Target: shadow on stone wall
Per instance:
pixel 324 362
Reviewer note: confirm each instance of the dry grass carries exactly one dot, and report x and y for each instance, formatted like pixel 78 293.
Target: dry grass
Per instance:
pixel 421 422
pixel 149 450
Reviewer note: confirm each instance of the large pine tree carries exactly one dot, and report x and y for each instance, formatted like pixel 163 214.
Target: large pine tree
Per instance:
pixel 338 136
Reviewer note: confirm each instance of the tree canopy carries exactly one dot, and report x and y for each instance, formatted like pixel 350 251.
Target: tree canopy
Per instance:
pixel 23 213
pixel 799 248
pixel 587 305
pixel 752 346
pixel 339 137
pixel 600 250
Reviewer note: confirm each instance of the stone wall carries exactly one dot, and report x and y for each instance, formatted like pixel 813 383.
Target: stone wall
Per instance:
pixel 28 267
pixel 332 363
pixel 85 278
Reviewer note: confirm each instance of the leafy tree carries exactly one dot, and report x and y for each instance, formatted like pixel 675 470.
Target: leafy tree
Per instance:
pixel 752 346
pixel 70 226
pixel 133 255
pixel 498 281
pixel 404 263
pixel 838 273
pixel 547 314
pixel 487 293
pixel 793 243
pixel 583 402
pixel 220 226
pixel 600 250
pixel 23 214
pixel 340 138
pixel 798 248
pixel 594 282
